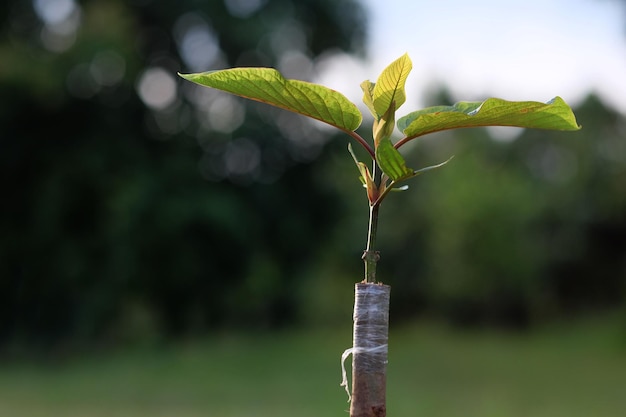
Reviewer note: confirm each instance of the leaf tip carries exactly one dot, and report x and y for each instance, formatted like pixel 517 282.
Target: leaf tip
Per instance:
pixel 188 77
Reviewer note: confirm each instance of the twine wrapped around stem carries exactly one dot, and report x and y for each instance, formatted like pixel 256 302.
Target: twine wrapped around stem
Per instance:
pixel 369 351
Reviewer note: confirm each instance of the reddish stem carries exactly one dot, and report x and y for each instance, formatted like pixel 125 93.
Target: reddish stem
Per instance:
pixel 363 142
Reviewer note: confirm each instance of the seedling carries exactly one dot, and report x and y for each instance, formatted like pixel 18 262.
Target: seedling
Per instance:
pixel 387 172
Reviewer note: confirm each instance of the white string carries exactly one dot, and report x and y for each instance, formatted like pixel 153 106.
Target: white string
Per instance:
pixel 371 322
pixel 348 352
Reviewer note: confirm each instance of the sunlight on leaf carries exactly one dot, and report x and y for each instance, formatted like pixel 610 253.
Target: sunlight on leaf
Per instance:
pixel 390 85
pixel 269 86
pixel 384 127
pixel 368 90
pixel 554 115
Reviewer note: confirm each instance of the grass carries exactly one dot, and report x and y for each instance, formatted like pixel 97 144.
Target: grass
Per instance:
pixel 556 372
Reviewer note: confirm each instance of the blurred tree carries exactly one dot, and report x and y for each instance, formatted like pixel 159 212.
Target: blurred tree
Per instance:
pixel 109 230
pixel 128 213
pixel 515 231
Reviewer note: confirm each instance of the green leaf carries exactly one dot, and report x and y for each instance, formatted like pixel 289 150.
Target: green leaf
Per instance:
pixel 384 127
pixel 368 90
pixel 390 85
pixel 269 86
pixel 391 161
pixel 554 115
pixel 394 166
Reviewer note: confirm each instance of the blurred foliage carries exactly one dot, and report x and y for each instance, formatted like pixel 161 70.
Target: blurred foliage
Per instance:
pixel 515 231
pixel 522 226
pixel 138 207
pixel 128 211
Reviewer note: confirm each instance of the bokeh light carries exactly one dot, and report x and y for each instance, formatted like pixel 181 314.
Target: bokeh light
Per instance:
pixel 157 88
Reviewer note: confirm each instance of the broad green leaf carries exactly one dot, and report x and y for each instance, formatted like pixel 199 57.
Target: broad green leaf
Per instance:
pixel 390 85
pixel 391 161
pixel 554 115
pixel 269 86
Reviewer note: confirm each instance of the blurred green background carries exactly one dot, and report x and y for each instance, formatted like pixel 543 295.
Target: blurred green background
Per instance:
pixel 169 250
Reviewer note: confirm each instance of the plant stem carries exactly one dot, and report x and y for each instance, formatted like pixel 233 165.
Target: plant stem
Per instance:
pixel 371 255
pixel 371 323
pixel 362 142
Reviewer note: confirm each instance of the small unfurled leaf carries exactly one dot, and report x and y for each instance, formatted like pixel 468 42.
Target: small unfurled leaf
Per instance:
pixel 269 86
pixel 425 169
pixel 391 161
pixel 365 174
pixel 389 87
pixel 368 90
pixel 384 127
pixel 365 177
pixel 401 188
pixel 554 115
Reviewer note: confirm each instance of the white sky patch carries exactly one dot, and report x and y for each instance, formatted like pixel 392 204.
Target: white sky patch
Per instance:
pixel 345 74
pixel 532 50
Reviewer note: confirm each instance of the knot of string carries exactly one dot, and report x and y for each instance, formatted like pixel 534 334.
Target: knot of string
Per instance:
pixel 380 349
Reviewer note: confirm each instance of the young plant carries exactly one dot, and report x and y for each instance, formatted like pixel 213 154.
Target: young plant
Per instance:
pixel 387 172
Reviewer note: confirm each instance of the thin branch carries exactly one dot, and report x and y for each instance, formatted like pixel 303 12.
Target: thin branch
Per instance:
pixel 403 141
pixel 362 141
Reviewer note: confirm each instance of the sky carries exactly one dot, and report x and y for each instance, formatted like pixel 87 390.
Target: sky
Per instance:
pixel 516 50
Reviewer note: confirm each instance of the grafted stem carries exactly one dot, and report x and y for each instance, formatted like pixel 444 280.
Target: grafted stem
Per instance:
pixel 369 350
pixel 371 256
